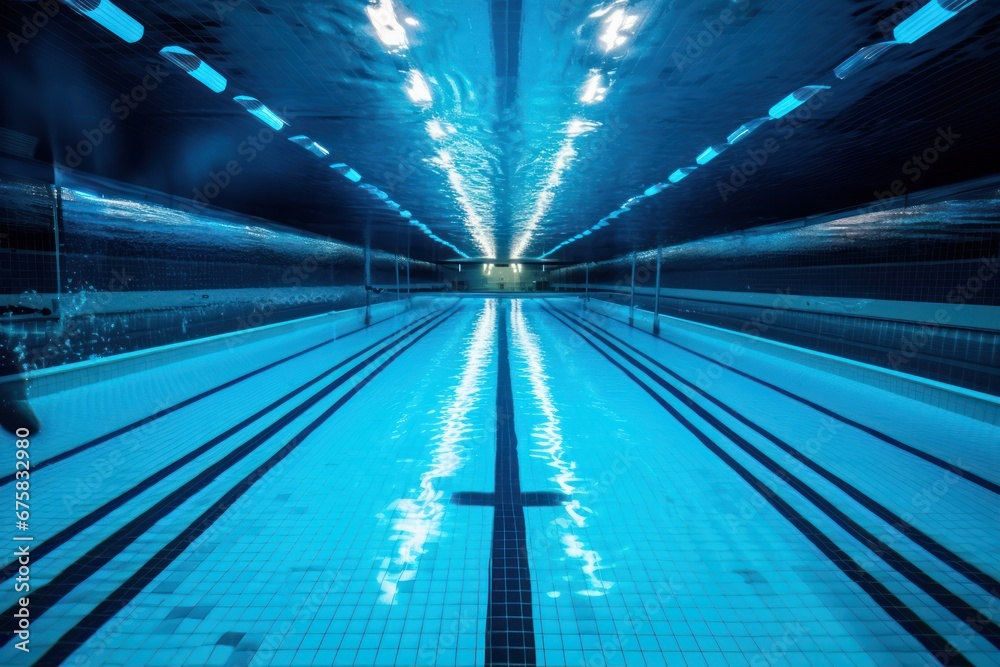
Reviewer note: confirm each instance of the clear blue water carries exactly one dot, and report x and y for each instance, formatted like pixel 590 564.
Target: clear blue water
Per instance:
pixel 500 484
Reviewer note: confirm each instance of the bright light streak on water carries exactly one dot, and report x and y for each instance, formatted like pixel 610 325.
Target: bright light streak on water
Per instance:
pixel 577 127
pixel 477 223
pixel 436 130
pixel 543 200
pixel 548 442
pixel 417 89
pixel 618 26
pixel 591 564
pixel 594 90
pixel 382 14
pixel 418 520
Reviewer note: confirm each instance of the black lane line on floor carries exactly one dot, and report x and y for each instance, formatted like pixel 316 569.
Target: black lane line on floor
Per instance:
pixel 510 632
pixel 941 648
pixel 888 439
pixel 942 595
pixel 41 549
pixel 44 597
pixel 62 456
pixel 125 593
pixel 987 582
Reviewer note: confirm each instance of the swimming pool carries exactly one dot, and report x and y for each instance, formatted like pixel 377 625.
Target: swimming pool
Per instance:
pixel 507 482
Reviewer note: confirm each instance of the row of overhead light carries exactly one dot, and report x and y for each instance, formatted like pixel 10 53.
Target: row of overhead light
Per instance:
pixel 116 20
pixel 543 201
pixel 919 24
pixel 488 268
pixel 618 25
pixel 392 34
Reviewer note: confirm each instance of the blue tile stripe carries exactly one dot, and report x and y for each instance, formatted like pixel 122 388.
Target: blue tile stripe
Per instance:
pixel 124 594
pixel 943 650
pixel 45 597
pixel 41 549
pixel 973 573
pixel 90 444
pixel 988 629
pixel 888 439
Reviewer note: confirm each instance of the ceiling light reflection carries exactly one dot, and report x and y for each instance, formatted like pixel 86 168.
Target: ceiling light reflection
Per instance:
pixel 474 221
pixel 196 67
pixel 618 25
pixel 927 18
pixel 549 446
pixel 258 109
pixel 382 15
pixel 418 520
pixel 543 200
pixel 417 89
pixel 594 90
pixel 109 15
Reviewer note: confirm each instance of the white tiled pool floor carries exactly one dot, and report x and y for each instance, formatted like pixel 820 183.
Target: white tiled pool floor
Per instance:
pixel 348 550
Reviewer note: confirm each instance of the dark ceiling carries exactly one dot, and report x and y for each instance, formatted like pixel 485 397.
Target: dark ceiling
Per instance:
pixel 506 157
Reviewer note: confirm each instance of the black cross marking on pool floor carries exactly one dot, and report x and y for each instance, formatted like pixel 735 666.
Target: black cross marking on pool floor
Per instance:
pixel 510 634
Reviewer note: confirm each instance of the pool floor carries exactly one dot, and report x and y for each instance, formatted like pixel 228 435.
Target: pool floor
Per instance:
pixel 506 482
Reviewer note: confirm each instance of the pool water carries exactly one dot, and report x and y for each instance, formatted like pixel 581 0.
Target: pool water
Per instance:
pixel 506 482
